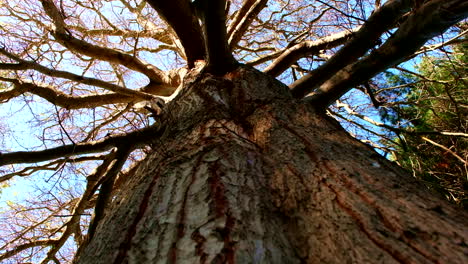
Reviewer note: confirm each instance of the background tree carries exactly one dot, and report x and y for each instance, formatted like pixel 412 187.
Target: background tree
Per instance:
pixel 432 122
pixel 149 116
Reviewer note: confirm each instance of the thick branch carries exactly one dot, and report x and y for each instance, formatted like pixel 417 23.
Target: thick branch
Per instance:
pixel 305 48
pixel 242 20
pixel 63 36
pixel 159 34
pixel 136 139
pixel 220 59
pixel 179 15
pixel 52 166
pixel 426 22
pixel 25 65
pixel 26 246
pixel 111 55
pixel 61 99
pixel 368 35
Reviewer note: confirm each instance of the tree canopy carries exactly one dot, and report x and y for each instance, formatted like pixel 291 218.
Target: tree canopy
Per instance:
pixel 83 83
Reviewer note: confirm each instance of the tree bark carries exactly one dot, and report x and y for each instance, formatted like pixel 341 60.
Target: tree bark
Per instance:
pixel 245 174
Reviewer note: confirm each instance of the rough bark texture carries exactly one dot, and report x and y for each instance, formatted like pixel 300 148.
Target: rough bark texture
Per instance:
pixel 245 174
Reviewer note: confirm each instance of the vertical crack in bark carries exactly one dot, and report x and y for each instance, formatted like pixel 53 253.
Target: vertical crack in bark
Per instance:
pixel 220 205
pixel 126 243
pixel 180 226
pixel 200 244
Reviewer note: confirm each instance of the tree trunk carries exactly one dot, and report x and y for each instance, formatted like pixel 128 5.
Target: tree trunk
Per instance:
pixel 243 173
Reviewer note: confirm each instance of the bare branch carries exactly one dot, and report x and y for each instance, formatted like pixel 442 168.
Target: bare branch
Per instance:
pixel 61 99
pixel 107 185
pixel 306 48
pixel 242 20
pixel 179 15
pixel 265 58
pixel 113 56
pixel 446 149
pixel 341 12
pixel 25 65
pixel 350 111
pixel 64 37
pixel 455 40
pixel 430 20
pixel 368 35
pixel 362 127
pixel 54 165
pixel 105 171
pixel 96 129
pixel 159 34
pixel 136 138
pixel 26 246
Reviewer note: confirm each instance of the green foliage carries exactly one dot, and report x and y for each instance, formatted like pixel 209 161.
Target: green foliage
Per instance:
pixel 436 100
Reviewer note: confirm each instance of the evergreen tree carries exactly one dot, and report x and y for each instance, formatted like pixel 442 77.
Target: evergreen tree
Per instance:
pixel 435 118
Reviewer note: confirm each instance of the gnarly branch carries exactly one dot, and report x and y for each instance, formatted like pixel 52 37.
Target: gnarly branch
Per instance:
pixel 305 48
pixel 136 138
pixel 102 172
pixel 64 37
pixel 54 165
pixel 428 21
pixel 61 99
pixel 113 56
pixel 179 15
pixel 368 35
pixel 242 20
pixel 26 246
pixel 159 34
pixel 30 65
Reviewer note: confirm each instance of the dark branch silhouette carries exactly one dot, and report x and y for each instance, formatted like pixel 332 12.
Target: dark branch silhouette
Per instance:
pixel 367 37
pixel 180 16
pixel 135 139
pixel 423 24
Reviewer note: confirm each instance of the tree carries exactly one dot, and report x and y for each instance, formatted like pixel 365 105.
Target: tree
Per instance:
pixel 226 163
pixel 439 99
